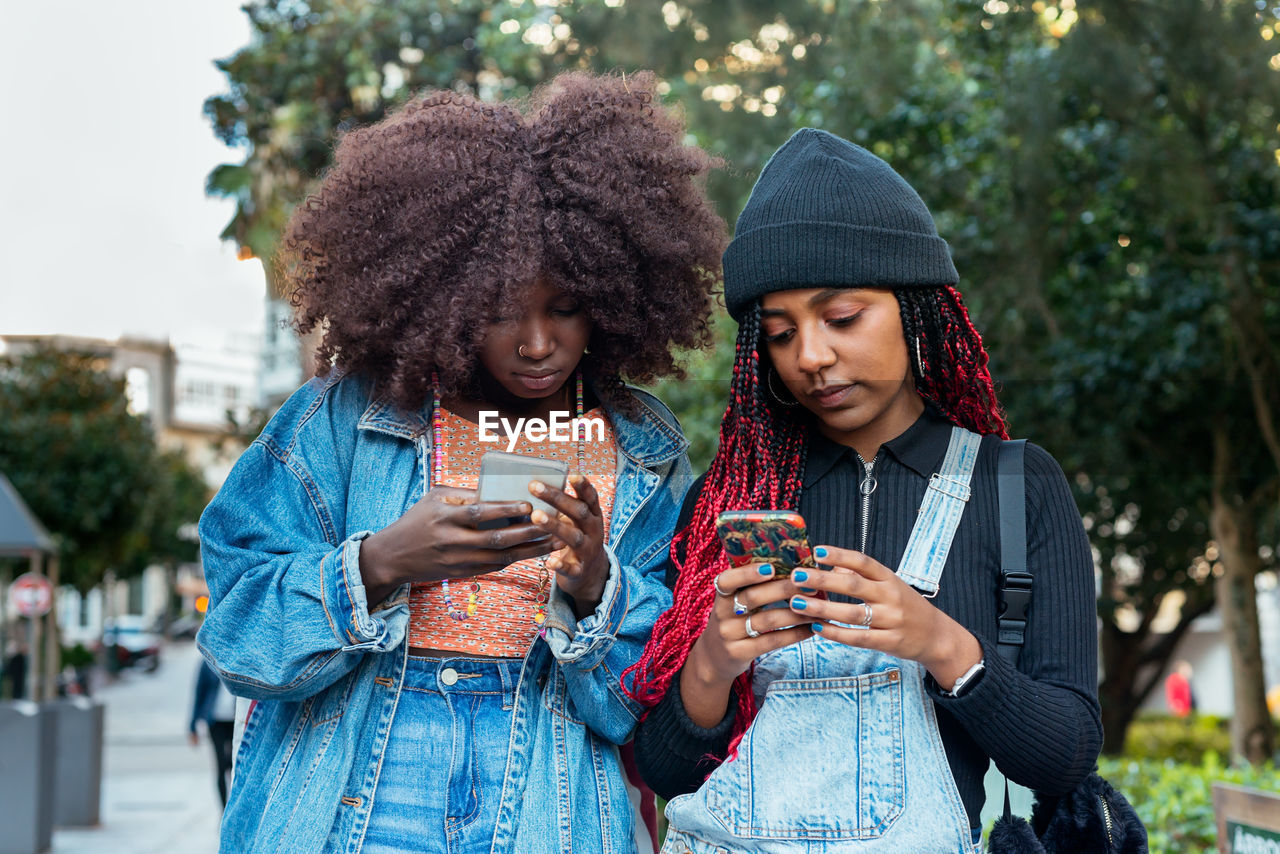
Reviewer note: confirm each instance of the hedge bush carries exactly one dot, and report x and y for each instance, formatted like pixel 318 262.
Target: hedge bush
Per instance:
pixel 1175 799
pixel 1186 740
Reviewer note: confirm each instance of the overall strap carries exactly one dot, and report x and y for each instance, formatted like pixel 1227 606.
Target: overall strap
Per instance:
pixel 939 516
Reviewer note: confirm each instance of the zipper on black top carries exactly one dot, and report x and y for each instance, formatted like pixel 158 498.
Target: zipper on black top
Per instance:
pixel 1106 815
pixel 866 487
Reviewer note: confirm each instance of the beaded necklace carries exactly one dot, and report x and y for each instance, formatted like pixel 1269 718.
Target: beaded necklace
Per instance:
pixel 439 456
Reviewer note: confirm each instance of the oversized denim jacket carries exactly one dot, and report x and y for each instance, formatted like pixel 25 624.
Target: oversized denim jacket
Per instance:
pixel 289 626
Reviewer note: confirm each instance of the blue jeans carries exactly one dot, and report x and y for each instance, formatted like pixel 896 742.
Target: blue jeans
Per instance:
pixel 442 774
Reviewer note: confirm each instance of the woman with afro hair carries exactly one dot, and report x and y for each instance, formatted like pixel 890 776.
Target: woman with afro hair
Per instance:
pixel 854 706
pixel 431 672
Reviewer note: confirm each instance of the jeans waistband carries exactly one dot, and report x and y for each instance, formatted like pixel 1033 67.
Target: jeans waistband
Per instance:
pixel 463 675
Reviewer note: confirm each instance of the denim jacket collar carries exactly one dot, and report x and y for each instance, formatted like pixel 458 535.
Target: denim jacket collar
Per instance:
pixel 647 437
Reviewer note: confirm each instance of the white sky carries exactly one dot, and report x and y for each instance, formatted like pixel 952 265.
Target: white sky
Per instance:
pixel 104 225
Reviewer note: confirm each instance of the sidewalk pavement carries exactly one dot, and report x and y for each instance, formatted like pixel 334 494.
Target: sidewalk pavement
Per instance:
pixel 159 795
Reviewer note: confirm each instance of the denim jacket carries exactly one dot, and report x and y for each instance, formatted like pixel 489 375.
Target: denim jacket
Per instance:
pixel 289 626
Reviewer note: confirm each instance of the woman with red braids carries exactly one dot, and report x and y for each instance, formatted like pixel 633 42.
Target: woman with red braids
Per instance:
pixel 860 712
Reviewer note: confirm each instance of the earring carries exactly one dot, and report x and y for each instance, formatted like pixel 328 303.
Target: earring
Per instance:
pixel 919 362
pixel 782 401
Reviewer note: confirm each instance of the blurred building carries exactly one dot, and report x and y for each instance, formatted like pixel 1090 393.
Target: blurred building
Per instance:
pixel 201 400
pixel 1205 647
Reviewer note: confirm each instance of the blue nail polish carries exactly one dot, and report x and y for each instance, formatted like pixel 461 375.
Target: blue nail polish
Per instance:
pixel 798 604
pixel 799 575
pixel 809 590
pixel 766 569
pixel 820 551
pixel 817 627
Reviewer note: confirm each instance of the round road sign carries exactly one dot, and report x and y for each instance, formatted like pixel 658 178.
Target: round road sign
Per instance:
pixel 32 594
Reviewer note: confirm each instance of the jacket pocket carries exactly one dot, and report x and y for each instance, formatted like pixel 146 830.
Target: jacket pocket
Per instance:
pixel 308 737
pixel 823 760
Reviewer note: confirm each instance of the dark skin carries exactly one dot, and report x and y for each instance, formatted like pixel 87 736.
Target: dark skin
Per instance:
pixel 842 355
pixel 526 366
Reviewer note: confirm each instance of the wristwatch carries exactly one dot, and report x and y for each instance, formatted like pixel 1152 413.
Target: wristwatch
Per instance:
pixel 966 681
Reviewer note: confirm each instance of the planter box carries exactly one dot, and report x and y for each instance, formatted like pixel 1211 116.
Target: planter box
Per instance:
pixel 26 777
pixel 77 769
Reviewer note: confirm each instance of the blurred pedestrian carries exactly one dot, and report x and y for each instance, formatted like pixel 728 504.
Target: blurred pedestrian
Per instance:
pixel 15 671
pixel 433 672
pixel 214 705
pixel 1178 695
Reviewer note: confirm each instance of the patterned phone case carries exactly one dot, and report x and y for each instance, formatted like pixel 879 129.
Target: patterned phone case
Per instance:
pixel 778 536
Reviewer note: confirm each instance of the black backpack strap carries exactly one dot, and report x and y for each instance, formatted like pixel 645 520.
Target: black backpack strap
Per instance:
pixel 1015 579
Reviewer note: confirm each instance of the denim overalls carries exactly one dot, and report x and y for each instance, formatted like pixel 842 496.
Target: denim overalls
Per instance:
pixel 844 755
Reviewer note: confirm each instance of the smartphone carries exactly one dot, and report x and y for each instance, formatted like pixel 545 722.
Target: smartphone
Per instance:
pixel 777 536
pixel 506 477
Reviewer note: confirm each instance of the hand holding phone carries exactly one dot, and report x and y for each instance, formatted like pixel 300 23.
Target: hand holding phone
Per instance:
pixel 750 614
pixel 506 477
pixel 778 537
pixel 439 537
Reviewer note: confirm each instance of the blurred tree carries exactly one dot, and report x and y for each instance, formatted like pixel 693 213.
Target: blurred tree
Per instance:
pixel 168 524
pixel 1150 235
pixel 316 68
pixel 90 470
pixel 80 459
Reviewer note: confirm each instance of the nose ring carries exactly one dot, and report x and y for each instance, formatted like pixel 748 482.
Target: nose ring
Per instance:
pixel 520 352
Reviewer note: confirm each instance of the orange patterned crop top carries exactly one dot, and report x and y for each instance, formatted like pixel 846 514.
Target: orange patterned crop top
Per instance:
pixel 503 625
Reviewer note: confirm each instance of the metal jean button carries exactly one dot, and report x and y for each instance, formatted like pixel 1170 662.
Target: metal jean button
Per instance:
pixel 448 676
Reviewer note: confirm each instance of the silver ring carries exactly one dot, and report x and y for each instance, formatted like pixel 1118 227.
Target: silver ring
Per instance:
pixel 866 615
pixel 738 608
pixel 751 633
pixel 715 582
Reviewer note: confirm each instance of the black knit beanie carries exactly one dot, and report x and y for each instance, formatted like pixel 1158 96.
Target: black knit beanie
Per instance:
pixel 827 213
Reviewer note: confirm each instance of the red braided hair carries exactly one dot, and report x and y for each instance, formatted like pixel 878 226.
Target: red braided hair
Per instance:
pixel 757 466
pixel 760 463
pixel 954 376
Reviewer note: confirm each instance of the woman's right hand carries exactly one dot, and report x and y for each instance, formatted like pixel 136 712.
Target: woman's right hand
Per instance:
pixel 439 538
pixel 726 648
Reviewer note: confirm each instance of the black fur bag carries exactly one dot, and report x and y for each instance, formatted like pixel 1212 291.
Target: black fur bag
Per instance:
pixel 1093 818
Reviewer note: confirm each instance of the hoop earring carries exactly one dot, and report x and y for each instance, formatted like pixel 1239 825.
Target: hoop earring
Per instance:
pixel 919 362
pixel 768 382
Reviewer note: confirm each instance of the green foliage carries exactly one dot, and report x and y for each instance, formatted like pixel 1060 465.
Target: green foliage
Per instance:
pixel 76 655
pixel 699 400
pixel 1175 800
pixel 78 457
pixel 174 506
pixel 1150 255
pixel 89 469
pixel 1185 740
pixel 317 68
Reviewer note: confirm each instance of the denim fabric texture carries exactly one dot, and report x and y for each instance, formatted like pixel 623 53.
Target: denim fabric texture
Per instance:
pixel 289 626
pixel 446 758
pixel 844 754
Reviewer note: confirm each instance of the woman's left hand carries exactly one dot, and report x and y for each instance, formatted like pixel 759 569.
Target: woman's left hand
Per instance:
pixel 902 622
pixel 582 566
